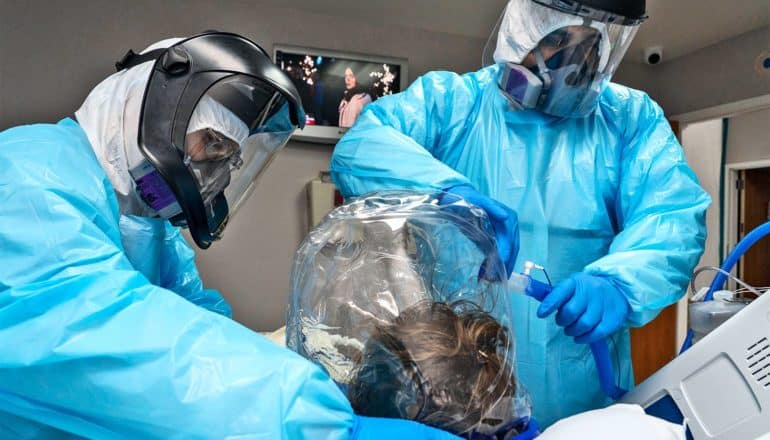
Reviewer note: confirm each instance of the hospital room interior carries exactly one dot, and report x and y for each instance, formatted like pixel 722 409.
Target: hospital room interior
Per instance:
pixel 387 190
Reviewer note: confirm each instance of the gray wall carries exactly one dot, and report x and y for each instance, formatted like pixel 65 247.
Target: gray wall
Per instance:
pixel 748 137
pixel 250 266
pixel 638 76
pixel 720 74
pixel 53 53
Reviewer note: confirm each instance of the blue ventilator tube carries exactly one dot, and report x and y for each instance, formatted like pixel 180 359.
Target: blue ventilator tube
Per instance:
pixel 538 290
pixel 744 245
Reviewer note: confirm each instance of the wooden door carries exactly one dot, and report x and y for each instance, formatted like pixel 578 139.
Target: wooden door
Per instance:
pixel 654 345
pixel 756 211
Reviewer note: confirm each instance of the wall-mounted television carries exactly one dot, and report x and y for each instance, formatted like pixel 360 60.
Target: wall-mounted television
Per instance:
pixel 336 86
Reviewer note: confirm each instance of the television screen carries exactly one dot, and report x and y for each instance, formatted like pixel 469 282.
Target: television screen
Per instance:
pixel 335 87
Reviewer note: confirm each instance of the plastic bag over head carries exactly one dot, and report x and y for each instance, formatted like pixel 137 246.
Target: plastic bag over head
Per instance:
pixel 391 295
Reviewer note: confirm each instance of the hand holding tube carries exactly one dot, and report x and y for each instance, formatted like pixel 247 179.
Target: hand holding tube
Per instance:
pixel 590 308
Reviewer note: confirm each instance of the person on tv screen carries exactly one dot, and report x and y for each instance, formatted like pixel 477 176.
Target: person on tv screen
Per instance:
pixel 354 98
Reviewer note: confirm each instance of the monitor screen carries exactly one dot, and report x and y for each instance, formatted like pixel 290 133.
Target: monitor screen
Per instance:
pixel 335 87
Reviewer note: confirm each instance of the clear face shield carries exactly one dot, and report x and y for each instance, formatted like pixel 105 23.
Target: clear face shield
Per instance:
pixel 215 112
pixel 234 132
pixel 557 56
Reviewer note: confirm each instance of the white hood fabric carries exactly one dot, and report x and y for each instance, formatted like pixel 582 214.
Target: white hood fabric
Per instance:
pixel 110 118
pixel 525 23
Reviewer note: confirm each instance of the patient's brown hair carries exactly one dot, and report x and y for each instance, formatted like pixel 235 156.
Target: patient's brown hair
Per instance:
pixel 444 365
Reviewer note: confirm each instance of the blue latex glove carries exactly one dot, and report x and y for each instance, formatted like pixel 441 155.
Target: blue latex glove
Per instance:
pixel 504 220
pixel 590 308
pixel 533 430
pixel 375 428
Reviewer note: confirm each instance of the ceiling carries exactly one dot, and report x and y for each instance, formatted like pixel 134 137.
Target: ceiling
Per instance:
pixel 680 26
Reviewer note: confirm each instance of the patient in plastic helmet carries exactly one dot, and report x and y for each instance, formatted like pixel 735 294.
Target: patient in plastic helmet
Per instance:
pixel 444 365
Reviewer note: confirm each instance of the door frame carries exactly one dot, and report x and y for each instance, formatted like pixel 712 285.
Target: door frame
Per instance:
pixel 731 195
pixel 721 111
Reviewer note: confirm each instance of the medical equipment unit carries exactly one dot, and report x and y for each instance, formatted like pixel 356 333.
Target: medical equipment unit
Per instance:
pixel 720 384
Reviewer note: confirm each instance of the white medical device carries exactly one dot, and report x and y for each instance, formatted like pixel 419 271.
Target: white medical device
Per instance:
pixel 720 387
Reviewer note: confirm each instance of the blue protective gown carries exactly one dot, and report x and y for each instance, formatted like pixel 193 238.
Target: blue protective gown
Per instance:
pixel 105 330
pixel 610 194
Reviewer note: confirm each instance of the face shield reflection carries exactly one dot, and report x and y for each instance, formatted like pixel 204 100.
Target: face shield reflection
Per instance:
pixel 526 24
pixel 257 151
pixel 209 145
pixel 557 61
pixel 235 130
pixel 576 46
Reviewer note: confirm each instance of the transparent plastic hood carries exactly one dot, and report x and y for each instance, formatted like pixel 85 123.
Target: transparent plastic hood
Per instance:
pixel 391 295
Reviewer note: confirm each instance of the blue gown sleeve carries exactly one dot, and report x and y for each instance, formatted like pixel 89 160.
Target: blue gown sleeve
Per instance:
pixel 179 274
pixel 394 141
pixel 661 211
pixel 89 346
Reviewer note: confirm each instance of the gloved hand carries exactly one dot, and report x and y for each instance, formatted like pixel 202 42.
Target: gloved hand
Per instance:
pixel 375 428
pixel 504 220
pixel 590 307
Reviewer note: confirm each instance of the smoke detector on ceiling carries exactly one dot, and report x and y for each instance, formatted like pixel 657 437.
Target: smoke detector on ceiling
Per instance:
pixel 653 55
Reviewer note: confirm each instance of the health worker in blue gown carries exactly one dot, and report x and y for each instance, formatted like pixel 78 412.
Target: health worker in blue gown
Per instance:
pixel 587 173
pixel 105 328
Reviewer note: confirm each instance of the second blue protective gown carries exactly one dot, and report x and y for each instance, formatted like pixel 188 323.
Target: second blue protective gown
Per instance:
pixel 610 194
pixel 104 327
